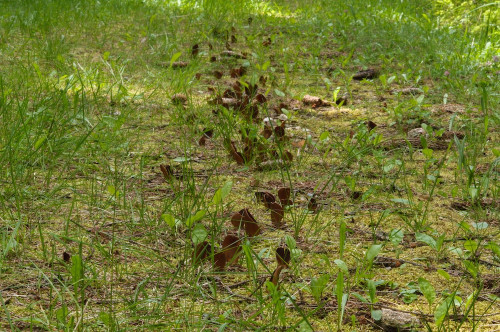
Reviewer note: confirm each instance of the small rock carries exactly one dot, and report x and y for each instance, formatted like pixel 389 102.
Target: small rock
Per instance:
pixel 398 321
pixel 417 133
pixel 408 91
pixel 365 74
pixel 179 98
pixel 179 64
pixel 233 54
pixel 314 101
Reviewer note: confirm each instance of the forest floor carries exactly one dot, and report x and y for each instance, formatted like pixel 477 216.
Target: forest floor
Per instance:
pixel 245 165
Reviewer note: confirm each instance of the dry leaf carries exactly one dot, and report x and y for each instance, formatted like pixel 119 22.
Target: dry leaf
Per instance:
pixel 213 58
pixel 277 214
pixel 201 251
pixel 287 156
pixel 265 197
pixel 167 172
pixel 279 131
pixel 370 124
pixel 283 256
pixel 231 246
pixel 220 260
pixel 261 99
pixel 195 50
pixel 284 196
pixel 299 144
pixel 312 205
pixel 275 277
pixel 66 257
pixel 218 74
pixel 267 132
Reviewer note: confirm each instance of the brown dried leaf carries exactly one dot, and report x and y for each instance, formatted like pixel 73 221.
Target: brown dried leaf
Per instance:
pixel 220 260
pixel 275 277
pixel 218 74
pixel 228 93
pixel 237 220
pixel 201 251
pixel 279 131
pixel 213 58
pixel 66 257
pixel 235 154
pixel 283 256
pixel 267 42
pixel 198 76
pixel 265 197
pixel 231 246
pixel 277 214
pixel 237 72
pixel 267 132
pixel 195 50
pixel 262 80
pixel 299 144
pixel 167 172
pixel 261 99
pixel 371 125
pixel 287 156
pixel 312 205
pixel 250 89
pixel 284 196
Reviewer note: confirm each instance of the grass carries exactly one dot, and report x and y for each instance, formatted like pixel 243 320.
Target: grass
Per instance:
pixel 93 236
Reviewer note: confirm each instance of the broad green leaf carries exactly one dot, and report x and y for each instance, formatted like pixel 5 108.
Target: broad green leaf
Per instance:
pixel 444 274
pixel 112 190
pixel 442 310
pixel 495 248
pixel 197 217
pixel 342 265
pixel 376 314
pixel 470 245
pixel 396 236
pixel 360 297
pixel 279 93
pixel 199 234
pixel 169 219
pixel 427 289
pixel 222 193
pixel 472 268
pixel 175 57
pixel 318 286
pixel 373 252
pixel 480 225
pixel 40 141
pixel 290 242
pixel 324 135
pixel 421 237
pixel 401 201
pixel 372 290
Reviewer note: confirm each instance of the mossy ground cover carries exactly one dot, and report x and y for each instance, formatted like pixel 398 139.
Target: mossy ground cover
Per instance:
pixel 394 192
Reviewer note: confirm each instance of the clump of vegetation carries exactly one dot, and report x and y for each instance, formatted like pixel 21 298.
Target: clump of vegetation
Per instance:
pixel 243 165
